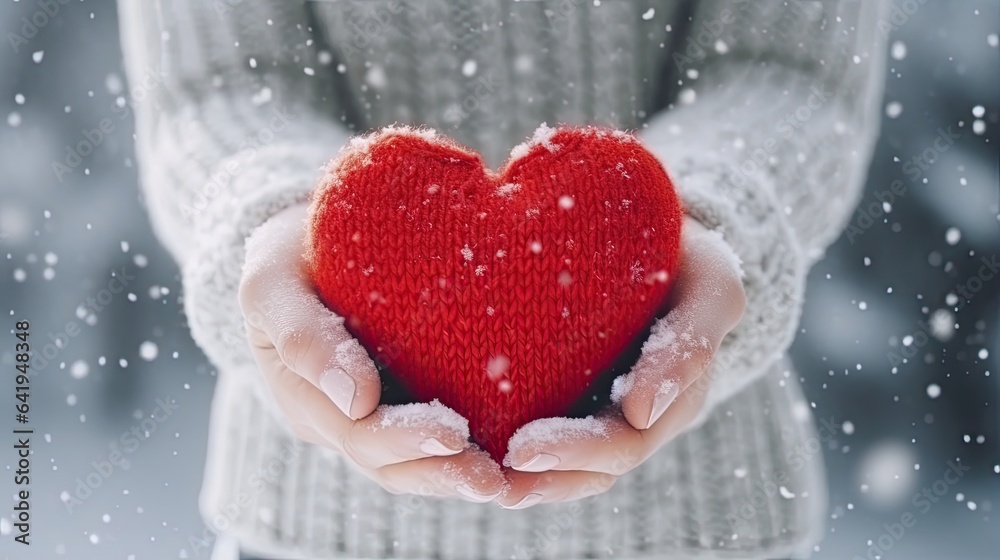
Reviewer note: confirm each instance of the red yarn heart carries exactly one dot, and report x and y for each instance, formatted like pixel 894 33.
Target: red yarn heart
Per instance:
pixel 501 294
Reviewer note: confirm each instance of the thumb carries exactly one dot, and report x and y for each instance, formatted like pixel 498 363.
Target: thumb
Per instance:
pixel 283 311
pixel 708 303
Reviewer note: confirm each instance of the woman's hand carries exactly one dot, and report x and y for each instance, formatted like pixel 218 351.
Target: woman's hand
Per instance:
pixel 654 402
pixel 328 388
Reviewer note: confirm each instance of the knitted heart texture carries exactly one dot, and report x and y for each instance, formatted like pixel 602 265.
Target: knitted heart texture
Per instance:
pixel 501 294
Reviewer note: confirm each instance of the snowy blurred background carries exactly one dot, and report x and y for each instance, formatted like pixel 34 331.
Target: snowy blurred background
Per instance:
pixel 889 350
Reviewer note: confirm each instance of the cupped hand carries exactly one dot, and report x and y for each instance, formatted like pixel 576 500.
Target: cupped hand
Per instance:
pixel 328 388
pixel 559 459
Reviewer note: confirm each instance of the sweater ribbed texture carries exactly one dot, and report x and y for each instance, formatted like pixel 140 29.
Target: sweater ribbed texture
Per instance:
pixel 764 113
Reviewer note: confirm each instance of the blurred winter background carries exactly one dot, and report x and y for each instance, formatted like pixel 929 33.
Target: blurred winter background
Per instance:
pixel 889 350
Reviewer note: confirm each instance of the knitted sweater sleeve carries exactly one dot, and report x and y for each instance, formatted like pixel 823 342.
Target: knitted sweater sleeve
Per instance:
pixel 228 133
pixel 769 144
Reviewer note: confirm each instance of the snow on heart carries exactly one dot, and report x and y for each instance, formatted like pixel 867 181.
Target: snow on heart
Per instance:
pixel 504 294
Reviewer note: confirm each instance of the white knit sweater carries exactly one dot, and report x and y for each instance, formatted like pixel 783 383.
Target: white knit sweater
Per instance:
pixel 764 112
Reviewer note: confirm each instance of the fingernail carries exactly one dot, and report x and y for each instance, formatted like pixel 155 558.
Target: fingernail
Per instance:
pixel 664 397
pixel 340 387
pixel 432 446
pixel 526 502
pixel 468 492
pixel 541 462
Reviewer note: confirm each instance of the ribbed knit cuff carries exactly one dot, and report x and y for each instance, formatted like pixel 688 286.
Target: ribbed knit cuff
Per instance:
pixel 743 209
pixel 267 181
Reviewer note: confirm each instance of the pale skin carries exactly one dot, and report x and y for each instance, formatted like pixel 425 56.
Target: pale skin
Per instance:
pixel 328 387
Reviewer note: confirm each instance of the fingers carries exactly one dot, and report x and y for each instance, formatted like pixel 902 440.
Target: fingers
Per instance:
pixel 282 310
pixel 471 475
pixel 708 302
pixel 567 444
pixel 581 461
pixel 417 448
pixel 399 433
pixel 393 434
pixel 609 445
pixel 530 489
pixel 408 449
pixel 673 357
pixel 559 459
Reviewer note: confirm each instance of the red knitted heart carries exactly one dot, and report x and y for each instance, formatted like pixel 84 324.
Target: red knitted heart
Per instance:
pixel 500 294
